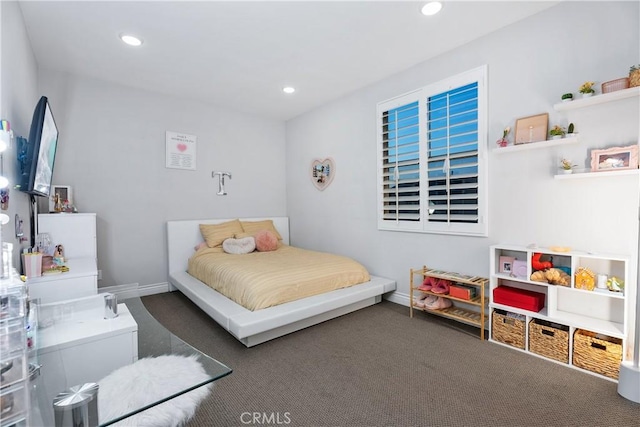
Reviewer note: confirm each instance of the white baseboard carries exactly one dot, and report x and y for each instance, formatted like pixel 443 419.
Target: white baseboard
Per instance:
pixel 398 298
pixel 132 290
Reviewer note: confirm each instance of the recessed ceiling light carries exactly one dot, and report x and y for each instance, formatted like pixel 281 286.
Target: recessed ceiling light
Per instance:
pixel 130 40
pixel 431 8
pixel 288 89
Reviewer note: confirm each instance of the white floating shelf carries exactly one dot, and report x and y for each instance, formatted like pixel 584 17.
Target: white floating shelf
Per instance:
pixel 535 145
pixel 584 175
pixel 597 99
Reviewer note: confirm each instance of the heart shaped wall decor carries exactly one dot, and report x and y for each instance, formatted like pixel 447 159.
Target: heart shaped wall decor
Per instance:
pixel 322 172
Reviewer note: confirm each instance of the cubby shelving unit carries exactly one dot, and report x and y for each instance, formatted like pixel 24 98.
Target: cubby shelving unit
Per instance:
pixel 601 312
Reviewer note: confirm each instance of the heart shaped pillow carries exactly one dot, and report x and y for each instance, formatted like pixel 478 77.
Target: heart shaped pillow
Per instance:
pixel 239 246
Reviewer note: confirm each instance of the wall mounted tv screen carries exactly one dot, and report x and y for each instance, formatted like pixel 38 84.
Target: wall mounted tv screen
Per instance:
pixel 40 151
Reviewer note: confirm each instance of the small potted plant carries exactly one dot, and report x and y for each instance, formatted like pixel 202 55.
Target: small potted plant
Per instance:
pixel 571 130
pixel 587 89
pixel 557 132
pixel 634 75
pixel 567 97
pixel 566 166
pixel 503 142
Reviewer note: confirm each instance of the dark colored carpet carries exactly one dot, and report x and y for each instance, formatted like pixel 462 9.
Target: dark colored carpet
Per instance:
pixel 379 367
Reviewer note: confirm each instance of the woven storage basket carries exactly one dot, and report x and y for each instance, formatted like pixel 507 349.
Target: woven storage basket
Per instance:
pixel 549 340
pixel 507 329
pixel 634 78
pixel 614 85
pixel 597 353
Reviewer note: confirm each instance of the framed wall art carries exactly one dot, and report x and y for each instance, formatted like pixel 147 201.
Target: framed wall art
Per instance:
pixel 613 159
pixel 322 172
pixel 531 129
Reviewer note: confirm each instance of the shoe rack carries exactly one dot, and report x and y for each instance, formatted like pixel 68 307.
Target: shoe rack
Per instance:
pixel 469 311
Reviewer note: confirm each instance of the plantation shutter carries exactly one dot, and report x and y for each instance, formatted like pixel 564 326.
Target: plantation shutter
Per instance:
pixel 400 163
pixel 452 156
pixel 432 163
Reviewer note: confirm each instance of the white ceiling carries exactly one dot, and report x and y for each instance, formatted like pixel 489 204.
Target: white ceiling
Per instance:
pixel 239 54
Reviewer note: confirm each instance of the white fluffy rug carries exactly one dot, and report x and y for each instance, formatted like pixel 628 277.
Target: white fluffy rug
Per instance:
pixel 147 381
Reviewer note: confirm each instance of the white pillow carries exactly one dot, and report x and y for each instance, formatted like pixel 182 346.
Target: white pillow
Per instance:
pixel 239 246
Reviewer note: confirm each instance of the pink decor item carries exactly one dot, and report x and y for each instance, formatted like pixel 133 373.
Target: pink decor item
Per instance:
pixel 266 241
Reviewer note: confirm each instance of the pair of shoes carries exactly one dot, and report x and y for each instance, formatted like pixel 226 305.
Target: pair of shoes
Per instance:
pixel 419 300
pixel 428 284
pixel 436 303
pixel 441 287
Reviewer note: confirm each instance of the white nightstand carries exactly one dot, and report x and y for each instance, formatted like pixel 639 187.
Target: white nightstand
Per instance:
pixel 80 281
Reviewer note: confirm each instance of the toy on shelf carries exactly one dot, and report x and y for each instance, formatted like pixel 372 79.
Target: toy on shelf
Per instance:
pixel 585 279
pixel 58 255
pixel 615 285
pixel 555 276
pixel 540 265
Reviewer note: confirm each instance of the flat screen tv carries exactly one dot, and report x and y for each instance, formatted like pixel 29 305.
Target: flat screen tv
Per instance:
pixel 39 154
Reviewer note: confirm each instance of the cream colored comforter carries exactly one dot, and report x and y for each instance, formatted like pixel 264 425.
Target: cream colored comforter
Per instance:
pixel 263 279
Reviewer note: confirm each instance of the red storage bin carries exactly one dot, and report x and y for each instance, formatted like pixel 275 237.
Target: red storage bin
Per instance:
pixel 462 292
pixel 520 298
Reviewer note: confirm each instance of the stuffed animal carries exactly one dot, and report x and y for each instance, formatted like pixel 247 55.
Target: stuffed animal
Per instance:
pixel 539 276
pixel 539 265
pixel 554 276
pixel 557 277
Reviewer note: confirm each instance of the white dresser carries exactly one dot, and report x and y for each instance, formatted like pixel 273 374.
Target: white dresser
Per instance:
pixel 75 231
pixel 77 234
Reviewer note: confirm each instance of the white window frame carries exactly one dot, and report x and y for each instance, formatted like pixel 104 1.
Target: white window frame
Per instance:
pixel 479 229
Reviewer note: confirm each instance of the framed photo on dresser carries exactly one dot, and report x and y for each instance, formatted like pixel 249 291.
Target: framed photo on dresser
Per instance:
pixel 65 195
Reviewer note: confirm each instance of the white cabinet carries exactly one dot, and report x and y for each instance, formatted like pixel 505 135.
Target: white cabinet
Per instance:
pixel 569 305
pixel 80 281
pixel 76 345
pixel 77 234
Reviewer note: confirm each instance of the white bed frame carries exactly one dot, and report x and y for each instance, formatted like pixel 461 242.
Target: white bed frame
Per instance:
pixel 255 327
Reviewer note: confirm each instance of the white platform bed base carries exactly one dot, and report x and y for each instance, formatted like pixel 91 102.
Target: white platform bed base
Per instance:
pixel 255 327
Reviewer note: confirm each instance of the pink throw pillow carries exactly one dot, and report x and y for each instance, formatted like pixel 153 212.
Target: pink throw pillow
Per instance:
pixel 200 246
pixel 266 241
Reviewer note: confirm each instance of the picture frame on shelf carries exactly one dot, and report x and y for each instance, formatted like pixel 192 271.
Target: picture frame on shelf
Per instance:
pixel 519 269
pixel 614 159
pixel 506 264
pixel 531 129
pixel 64 192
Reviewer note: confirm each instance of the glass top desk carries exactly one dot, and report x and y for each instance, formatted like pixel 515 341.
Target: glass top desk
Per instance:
pixel 153 340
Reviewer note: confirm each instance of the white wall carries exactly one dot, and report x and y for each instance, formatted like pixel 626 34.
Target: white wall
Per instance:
pixel 530 65
pixel 112 153
pixel 18 98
